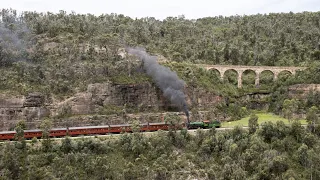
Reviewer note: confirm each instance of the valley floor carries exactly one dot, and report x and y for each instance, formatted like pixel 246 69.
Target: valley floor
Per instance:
pixel 263 117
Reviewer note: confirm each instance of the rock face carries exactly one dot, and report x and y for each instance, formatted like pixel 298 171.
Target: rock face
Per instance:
pixel 256 101
pixel 89 108
pixel 118 94
pixel 301 90
pixel 34 100
pixel 105 103
pixel 14 109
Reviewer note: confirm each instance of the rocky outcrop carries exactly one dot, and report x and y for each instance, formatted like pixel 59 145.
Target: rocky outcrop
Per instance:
pixel 301 90
pixel 14 109
pixel 11 101
pixel 120 94
pixel 85 108
pixel 34 100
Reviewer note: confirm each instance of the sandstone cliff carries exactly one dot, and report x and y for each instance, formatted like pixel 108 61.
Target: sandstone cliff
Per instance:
pixel 301 90
pixel 87 108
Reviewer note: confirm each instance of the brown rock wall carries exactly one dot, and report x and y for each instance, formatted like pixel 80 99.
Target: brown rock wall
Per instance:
pixel 84 108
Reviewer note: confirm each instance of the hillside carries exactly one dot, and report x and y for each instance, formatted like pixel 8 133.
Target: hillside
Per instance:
pixel 67 70
pixel 62 55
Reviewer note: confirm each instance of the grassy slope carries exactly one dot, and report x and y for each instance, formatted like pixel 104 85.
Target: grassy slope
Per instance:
pixel 263 117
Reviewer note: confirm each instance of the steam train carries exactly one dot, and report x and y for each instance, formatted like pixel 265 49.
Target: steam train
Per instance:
pixel 109 129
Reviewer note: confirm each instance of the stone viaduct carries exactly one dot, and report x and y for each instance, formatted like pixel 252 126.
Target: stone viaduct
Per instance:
pixel 257 69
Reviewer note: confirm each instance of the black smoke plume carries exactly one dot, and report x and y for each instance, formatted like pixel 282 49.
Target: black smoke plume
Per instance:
pixel 165 79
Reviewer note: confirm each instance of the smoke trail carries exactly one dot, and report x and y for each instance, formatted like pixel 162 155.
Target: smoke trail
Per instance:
pixel 165 79
pixel 12 44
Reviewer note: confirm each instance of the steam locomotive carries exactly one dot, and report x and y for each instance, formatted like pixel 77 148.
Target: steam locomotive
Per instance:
pixel 109 129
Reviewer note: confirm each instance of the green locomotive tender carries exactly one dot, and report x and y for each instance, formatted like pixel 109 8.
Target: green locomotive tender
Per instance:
pixel 204 124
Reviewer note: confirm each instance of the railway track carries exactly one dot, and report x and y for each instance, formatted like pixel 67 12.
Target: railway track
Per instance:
pixel 102 131
pixel 191 131
pixel 114 136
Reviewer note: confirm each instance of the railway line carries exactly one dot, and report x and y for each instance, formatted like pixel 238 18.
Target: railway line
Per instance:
pixel 190 131
pixel 107 130
pixel 114 130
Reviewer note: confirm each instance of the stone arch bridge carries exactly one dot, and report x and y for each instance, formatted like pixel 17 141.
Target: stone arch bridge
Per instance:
pixel 257 69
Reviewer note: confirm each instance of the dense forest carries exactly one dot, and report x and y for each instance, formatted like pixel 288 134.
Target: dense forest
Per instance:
pixel 275 39
pixel 60 54
pixel 271 152
pixel 50 51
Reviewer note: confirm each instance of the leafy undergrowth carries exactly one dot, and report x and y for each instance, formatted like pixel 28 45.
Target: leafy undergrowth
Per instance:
pixel 126 79
pixel 274 151
pixel 263 117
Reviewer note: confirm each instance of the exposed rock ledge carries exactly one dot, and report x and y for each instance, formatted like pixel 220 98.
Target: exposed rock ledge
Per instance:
pixel 85 107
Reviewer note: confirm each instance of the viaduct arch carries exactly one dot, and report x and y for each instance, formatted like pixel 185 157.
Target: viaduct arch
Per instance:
pixel 257 69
